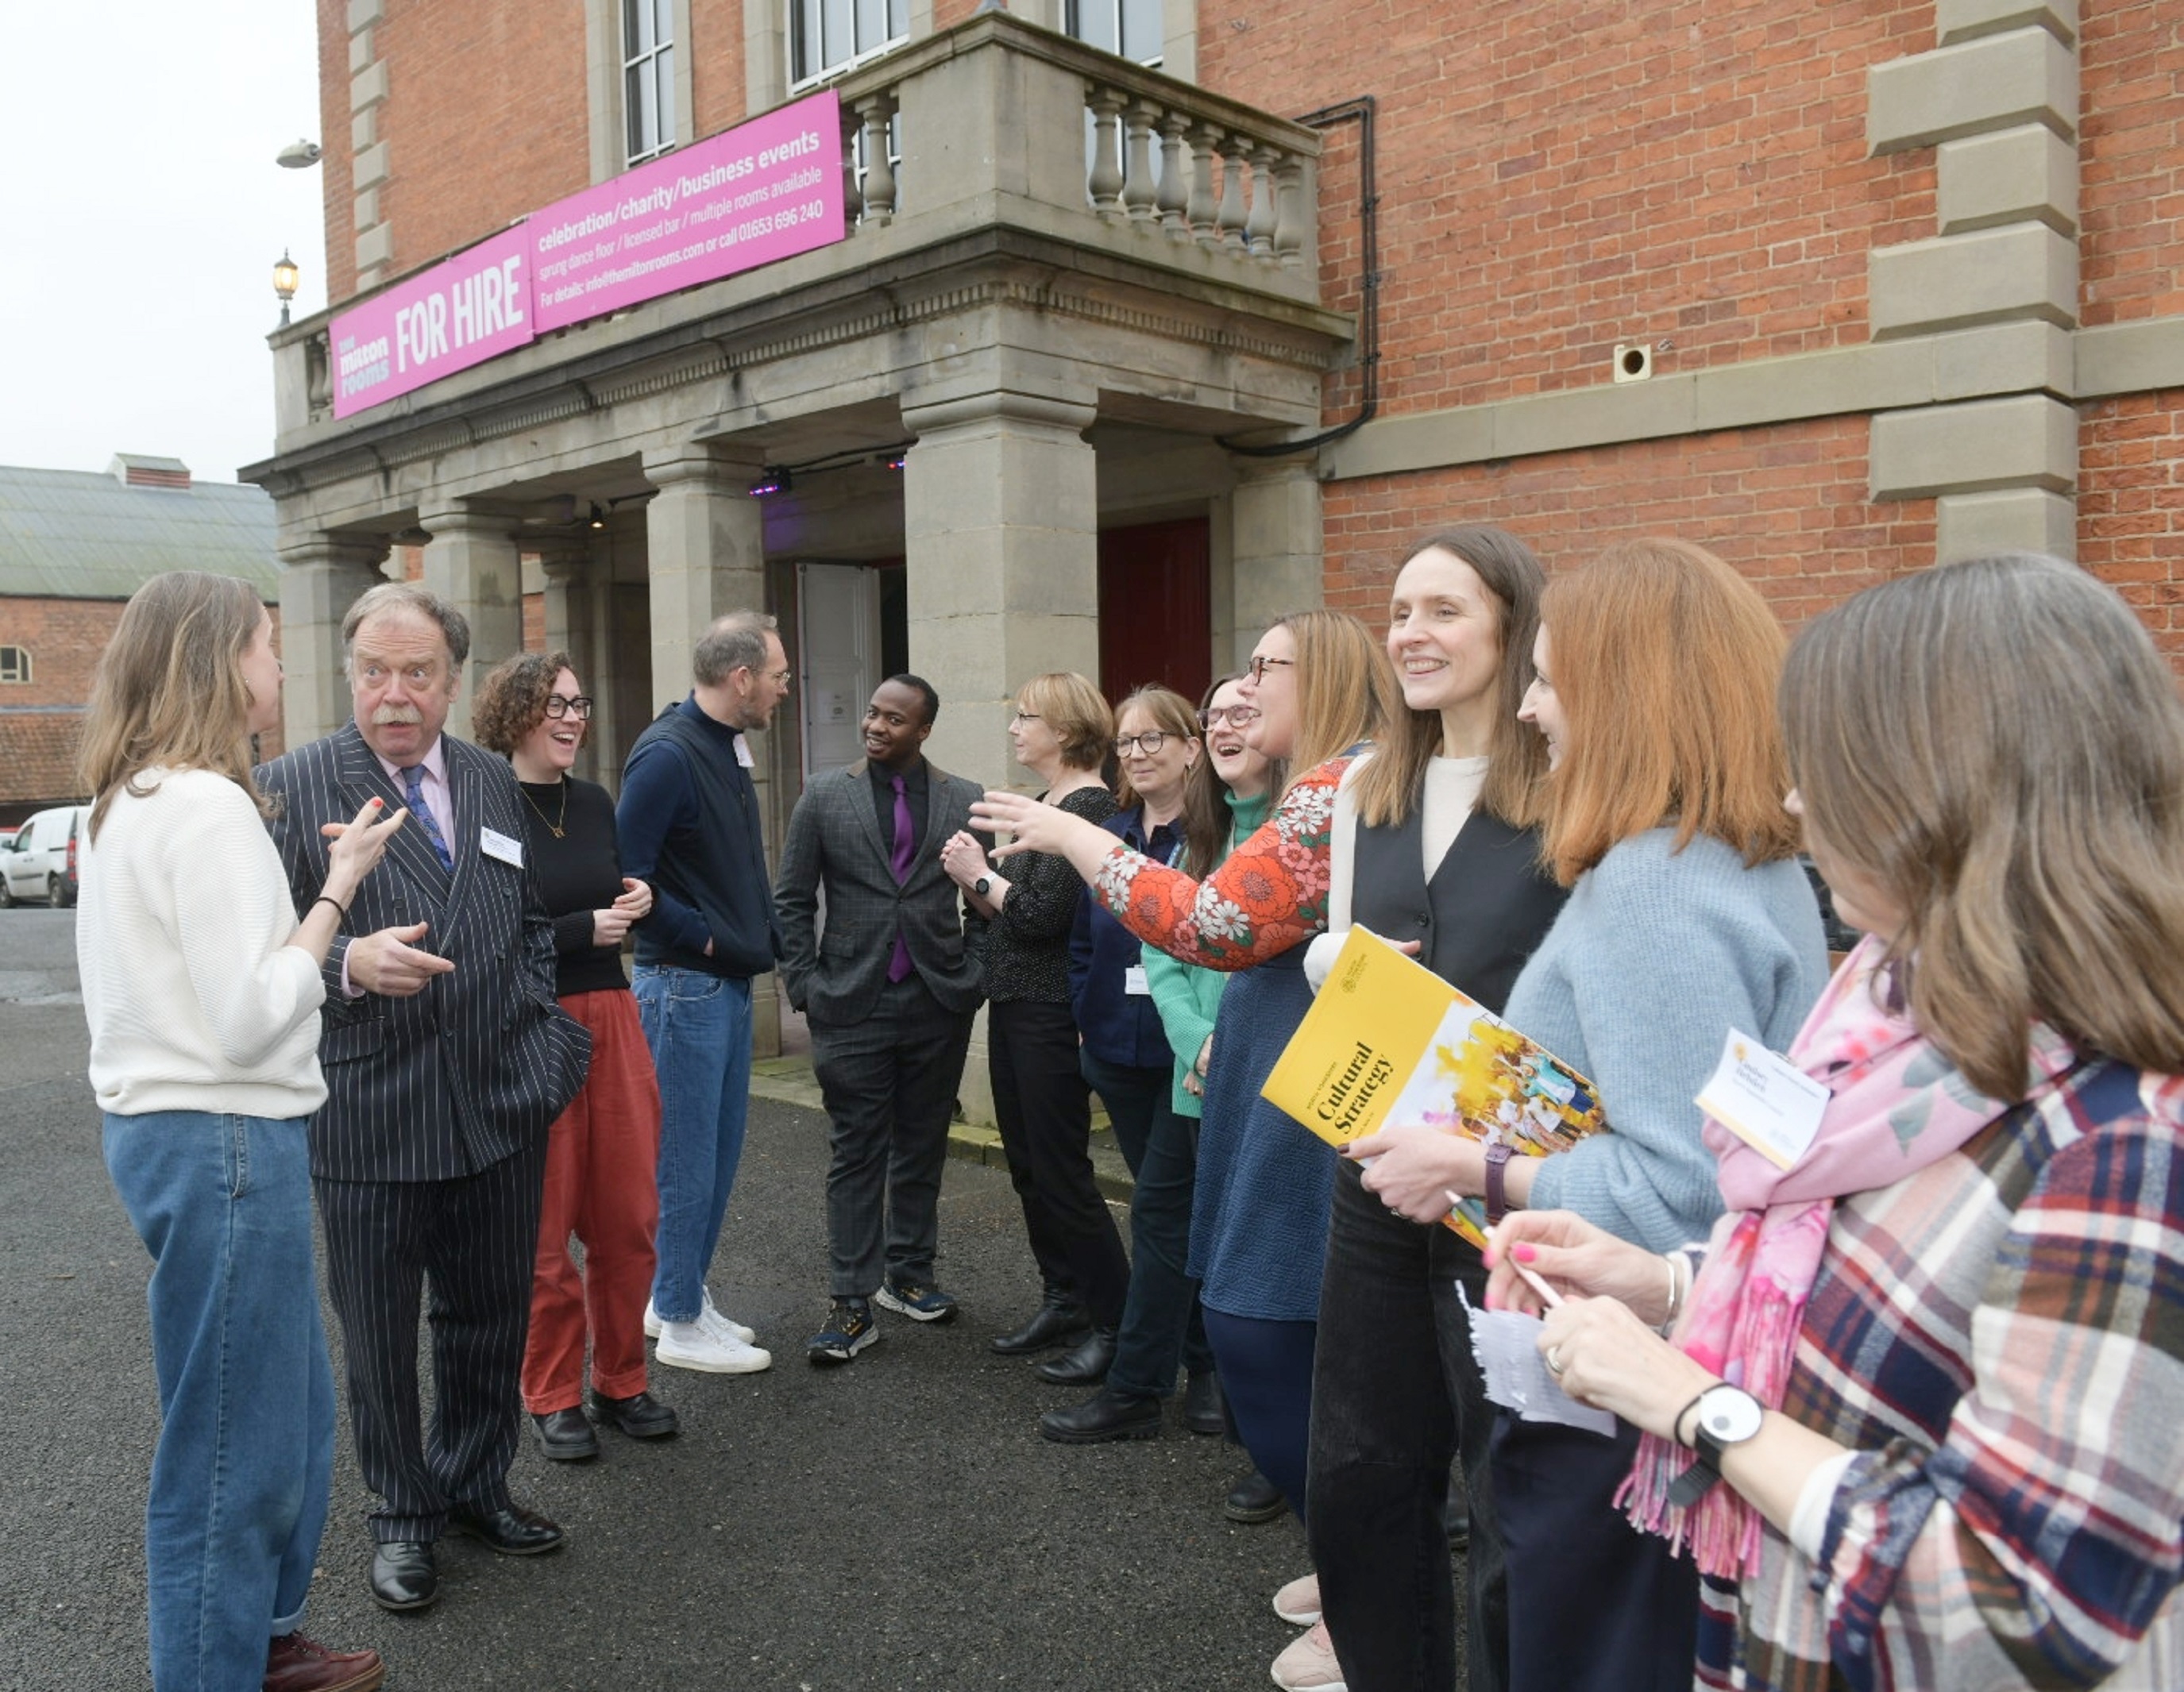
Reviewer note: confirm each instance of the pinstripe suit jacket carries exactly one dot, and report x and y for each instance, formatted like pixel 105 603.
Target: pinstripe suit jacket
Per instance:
pixel 834 842
pixel 476 1066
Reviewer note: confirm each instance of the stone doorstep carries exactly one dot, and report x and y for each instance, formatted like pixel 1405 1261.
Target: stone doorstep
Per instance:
pixel 789 1081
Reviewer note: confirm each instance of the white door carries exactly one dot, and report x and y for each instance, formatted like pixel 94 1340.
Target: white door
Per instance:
pixel 837 622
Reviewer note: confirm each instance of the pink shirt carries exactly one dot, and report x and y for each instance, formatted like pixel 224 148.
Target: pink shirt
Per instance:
pixel 433 784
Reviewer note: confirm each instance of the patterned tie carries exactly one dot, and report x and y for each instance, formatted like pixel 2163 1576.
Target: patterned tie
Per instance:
pixel 413 790
pixel 904 848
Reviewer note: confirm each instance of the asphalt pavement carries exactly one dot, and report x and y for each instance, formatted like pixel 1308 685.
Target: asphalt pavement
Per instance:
pixel 898 1522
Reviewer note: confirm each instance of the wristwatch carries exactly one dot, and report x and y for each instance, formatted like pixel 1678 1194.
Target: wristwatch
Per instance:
pixel 983 886
pixel 1497 1195
pixel 1727 1415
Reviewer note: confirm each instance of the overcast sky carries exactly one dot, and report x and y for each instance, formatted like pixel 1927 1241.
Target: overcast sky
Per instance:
pixel 141 214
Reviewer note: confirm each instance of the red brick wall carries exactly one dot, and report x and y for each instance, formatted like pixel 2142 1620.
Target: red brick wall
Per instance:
pixel 2131 161
pixel 336 159
pixel 2131 506
pixel 717 83
pixel 1786 505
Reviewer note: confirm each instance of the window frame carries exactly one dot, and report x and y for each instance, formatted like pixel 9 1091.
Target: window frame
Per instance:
pixel 651 66
pixel 795 12
pixel 20 670
pixel 1072 25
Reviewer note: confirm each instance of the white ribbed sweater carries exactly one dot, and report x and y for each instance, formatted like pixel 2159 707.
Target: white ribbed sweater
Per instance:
pixel 196 1000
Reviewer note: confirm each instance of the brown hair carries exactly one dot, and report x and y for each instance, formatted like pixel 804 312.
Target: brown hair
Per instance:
pixel 1996 746
pixel 1207 820
pixel 1665 661
pixel 1171 713
pixel 168 690
pixel 511 701
pixel 1345 692
pixel 1394 781
pixel 1076 711
pixel 408 598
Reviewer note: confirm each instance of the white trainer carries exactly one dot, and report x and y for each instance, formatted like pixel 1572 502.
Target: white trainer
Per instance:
pixel 1298 1603
pixel 692 1345
pixel 709 1315
pixel 1309 1665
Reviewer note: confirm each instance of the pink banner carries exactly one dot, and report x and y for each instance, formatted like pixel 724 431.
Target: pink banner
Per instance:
pixel 765 190
pixel 474 307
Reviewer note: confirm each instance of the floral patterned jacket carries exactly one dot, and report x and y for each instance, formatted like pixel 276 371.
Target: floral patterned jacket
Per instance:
pixel 1268 895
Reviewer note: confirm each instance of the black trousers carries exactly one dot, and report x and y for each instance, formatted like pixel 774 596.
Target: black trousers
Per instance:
pixel 1395 1395
pixel 888 1083
pixel 470 1243
pixel 1044 1114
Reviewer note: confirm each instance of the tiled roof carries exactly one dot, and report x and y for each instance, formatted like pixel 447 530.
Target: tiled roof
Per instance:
pixel 78 534
pixel 37 751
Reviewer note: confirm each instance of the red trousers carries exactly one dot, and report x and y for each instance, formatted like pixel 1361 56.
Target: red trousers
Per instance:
pixel 600 1186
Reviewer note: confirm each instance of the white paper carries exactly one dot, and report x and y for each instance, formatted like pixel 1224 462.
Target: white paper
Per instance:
pixel 495 844
pixel 1506 1343
pixel 1134 984
pixel 1764 1100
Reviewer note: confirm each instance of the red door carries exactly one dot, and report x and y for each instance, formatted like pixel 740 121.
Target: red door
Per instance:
pixel 1156 608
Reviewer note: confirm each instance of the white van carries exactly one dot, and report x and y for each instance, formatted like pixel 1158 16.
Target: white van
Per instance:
pixel 41 861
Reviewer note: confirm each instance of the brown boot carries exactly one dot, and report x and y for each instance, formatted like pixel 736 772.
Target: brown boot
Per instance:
pixel 294 1663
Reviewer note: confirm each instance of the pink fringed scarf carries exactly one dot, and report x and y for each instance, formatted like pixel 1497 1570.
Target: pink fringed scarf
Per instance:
pixel 1898 1104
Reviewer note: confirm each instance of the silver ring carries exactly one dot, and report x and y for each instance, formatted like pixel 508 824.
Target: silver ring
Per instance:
pixel 1555 1361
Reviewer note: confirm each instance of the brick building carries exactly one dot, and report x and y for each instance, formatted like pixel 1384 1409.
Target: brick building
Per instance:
pixel 74 546
pixel 1836 290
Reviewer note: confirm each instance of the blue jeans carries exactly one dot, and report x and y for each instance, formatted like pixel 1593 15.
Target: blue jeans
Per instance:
pixel 699 1027
pixel 239 1481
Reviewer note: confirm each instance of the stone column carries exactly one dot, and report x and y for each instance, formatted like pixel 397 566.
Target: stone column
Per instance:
pixel 1277 542
pixel 999 520
pixel 561 562
pixel 321 576
pixel 473 563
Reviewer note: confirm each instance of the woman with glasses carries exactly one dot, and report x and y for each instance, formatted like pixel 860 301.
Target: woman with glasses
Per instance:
pixel 1062 732
pixel 600 1151
pixel 1258 1230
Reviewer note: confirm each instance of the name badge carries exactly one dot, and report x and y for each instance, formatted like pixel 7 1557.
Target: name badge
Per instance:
pixel 744 753
pixel 1764 1100
pixel 1135 983
pixel 495 844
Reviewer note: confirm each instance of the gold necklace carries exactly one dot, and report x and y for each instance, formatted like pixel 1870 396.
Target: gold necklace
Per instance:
pixel 553 827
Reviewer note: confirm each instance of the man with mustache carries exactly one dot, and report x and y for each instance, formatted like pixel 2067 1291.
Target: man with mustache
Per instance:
pixel 889 989
pixel 446 1059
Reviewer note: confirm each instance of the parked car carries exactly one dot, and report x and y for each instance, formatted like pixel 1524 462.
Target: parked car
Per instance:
pixel 41 861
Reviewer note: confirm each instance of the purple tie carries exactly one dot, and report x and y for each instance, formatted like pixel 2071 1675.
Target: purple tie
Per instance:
pixel 905 846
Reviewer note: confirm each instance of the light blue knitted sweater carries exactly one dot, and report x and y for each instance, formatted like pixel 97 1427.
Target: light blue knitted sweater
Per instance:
pixel 1655 957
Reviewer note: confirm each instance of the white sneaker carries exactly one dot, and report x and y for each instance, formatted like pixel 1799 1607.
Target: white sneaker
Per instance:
pixel 692 1345
pixel 708 1315
pixel 1309 1664
pixel 1298 1603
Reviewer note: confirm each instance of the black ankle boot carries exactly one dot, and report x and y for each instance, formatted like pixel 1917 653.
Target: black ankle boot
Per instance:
pixel 1086 1364
pixel 1057 1321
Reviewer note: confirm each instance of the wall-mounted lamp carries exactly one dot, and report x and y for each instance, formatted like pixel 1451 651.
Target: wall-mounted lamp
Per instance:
pixel 297 155
pixel 285 276
pixel 774 479
pixel 598 515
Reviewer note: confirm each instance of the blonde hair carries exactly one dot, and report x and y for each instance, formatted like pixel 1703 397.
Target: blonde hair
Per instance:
pixel 1394 782
pixel 1076 711
pixel 168 692
pixel 1665 662
pixel 1171 716
pixel 1346 691
pixel 1996 746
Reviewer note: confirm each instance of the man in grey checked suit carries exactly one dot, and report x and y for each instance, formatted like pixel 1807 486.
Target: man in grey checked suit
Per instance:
pixel 446 1058
pixel 889 988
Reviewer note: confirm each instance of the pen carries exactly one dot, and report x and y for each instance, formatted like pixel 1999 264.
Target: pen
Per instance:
pixel 1532 1280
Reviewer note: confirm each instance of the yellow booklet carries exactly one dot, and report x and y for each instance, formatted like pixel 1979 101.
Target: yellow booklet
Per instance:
pixel 1388 1041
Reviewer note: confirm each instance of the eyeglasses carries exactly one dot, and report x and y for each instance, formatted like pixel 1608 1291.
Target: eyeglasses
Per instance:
pixel 1260 667
pixel 558 705
pixel 1023 716
pixel 1149 743
pixel 1239 716
pixel 780 678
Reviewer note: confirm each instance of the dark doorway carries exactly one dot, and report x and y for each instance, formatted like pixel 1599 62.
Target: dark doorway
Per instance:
pixel 1155 607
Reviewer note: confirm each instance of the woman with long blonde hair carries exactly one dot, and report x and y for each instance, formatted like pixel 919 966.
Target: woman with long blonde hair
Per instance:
pixel 203 992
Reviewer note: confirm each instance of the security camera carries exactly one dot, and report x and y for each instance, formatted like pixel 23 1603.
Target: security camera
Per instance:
pixel 297 155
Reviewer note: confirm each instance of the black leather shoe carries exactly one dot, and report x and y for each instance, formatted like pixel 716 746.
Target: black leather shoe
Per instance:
pixel 1107 1415
pixel 404 1576
pixel 565 1436
pixel 1058 1321
pixel 640 1416
pixel 1254 1499
pixel 512 1530
pixel 1205 1409
pixel 1085 1365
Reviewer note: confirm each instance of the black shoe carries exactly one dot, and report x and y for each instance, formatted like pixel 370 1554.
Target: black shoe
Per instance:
pixel 1058 1321
pixel 1083 1366
pixel 1254 1499
pixel 1457 1520
pixel 1107 1415
pixel 1205 1409
pixel 404 1576
pixel 512 1530
pixel 565 1436
pixel 640 1416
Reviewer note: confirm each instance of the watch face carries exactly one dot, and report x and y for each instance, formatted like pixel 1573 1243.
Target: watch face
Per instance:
pixel 982 886
pixel 1728 1415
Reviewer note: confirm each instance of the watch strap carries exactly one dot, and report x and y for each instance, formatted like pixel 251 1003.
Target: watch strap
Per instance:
pixel 1497 1191
pixel 1694 1483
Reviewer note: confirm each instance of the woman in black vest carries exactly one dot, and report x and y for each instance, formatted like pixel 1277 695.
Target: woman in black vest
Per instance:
pixel 1434 844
